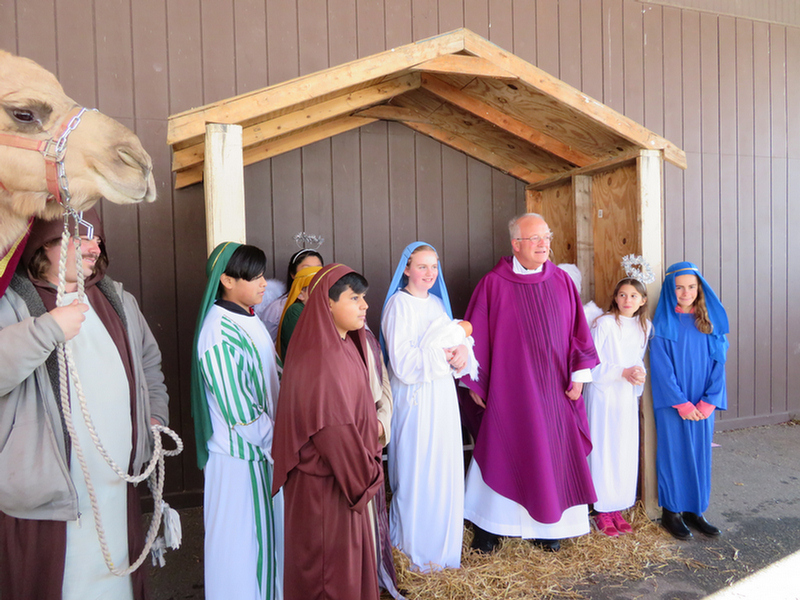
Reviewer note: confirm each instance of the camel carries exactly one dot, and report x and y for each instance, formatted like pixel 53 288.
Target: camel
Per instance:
pixel 103 159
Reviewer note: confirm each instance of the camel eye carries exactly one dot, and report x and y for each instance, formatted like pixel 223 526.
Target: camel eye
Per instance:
pixel 23 116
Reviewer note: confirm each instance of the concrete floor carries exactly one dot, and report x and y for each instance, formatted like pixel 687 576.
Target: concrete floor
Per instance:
pixel 755 501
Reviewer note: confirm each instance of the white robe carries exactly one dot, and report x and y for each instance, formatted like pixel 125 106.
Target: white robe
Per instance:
pixel 612 407
pixel 105 386
pixel 426 462
pixel 242 524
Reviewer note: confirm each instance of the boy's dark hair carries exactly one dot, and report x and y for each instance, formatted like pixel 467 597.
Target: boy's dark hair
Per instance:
pixel 354 281
pixel 246 262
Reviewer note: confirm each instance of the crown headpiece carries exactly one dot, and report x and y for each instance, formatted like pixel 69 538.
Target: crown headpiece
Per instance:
pixel 307 241
pixel 636 267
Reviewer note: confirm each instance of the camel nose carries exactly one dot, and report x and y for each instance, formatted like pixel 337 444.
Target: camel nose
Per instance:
pixel 135 158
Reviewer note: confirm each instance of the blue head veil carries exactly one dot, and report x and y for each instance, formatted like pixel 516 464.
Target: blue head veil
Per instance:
pixel 666 322
pixel 399 281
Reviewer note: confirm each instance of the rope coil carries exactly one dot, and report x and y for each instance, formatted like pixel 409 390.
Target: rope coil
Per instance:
pixel 155 471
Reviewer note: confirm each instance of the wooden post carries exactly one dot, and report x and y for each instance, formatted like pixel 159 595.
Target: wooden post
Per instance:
pixel 223 178
pixel 582 197
pixel 649 166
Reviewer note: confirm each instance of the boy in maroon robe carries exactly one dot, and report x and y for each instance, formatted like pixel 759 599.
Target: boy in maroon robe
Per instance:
pixel 326 449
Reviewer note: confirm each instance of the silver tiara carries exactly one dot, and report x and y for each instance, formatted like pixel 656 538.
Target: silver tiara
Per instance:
pixel 636 267
pixel 306 241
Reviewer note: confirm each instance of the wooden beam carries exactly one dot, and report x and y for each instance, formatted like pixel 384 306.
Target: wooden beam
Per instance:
pixel 461 64
pixel 478 152
pixel 386 112
pixel 224 185
pixel 603 165
pixel 272 148
pixel 282 125
pixel 582 197
pixel 504 121
pixel 187 127
pixel 575 99
pixel 649 168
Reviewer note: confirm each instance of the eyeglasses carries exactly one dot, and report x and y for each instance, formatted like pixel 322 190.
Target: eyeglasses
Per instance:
pixel 535 239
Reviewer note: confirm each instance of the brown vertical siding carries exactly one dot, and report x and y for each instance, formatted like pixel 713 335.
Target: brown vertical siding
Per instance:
pixel 724 88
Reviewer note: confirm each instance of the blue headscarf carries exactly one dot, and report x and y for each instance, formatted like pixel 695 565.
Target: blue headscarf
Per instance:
pixel 399 281
pixel 666 321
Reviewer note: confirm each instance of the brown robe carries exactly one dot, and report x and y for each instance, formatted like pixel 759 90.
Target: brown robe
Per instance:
pixel 327 456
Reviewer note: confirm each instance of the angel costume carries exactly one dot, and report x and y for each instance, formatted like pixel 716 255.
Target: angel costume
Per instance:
pixel 235 364
pixel 426 462
pixel 612 406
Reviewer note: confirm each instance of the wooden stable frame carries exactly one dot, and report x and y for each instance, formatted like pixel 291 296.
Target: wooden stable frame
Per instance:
pixel 600 214
pixel 578 156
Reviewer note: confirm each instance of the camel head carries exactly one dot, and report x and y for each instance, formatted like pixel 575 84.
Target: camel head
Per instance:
pixel 103 158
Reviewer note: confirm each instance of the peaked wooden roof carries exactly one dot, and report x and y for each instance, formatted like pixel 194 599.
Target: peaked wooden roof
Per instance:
pixel 457 88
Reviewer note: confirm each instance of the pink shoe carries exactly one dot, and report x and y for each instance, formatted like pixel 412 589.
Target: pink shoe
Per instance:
pixel 605 524
pixel 620 523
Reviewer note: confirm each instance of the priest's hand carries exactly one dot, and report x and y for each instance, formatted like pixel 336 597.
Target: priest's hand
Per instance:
pixel 477 399
pixel 380 430
pixel 574 392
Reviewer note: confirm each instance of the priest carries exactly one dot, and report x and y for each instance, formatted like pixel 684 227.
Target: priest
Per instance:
pixel 529 475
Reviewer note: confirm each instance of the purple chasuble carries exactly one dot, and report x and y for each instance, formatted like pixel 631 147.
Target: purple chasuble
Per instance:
pixel 530 336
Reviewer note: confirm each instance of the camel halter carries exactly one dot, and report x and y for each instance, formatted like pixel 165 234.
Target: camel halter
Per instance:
pixel 52 150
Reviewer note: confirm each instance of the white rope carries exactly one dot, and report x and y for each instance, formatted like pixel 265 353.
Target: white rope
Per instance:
pixel 155 471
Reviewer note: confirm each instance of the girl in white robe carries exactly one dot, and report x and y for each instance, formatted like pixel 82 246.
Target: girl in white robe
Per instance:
pixel 612 404
pixel 426 463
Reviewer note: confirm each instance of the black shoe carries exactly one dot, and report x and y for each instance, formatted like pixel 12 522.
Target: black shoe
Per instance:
pixel 673 522
pixel 483 541
pixel 547 545
pixel 699 522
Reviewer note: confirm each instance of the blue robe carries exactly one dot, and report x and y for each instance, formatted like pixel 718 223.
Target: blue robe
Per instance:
pixel 682 371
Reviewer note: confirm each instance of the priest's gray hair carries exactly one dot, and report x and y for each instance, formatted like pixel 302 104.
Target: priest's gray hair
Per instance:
pixel 513 224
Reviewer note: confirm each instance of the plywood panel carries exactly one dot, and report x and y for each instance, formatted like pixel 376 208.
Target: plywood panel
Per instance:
pixel 398 23
pixel 425 19
pixel 761 90
pixel 547 37
pixel 258 213
pixel 476 17
pixel 556 205
pixel 709 84
pixel 793 279
pixel 617 230
pixel 343 45
pixel 690 51
pixel 287 209
pixel 762 303
pixel 501 17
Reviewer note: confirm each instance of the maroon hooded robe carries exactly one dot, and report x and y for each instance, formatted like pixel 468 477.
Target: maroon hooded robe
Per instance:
pixel 327 455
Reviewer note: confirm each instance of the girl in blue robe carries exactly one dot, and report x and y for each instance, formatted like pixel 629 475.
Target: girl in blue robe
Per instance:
pixel 687 364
